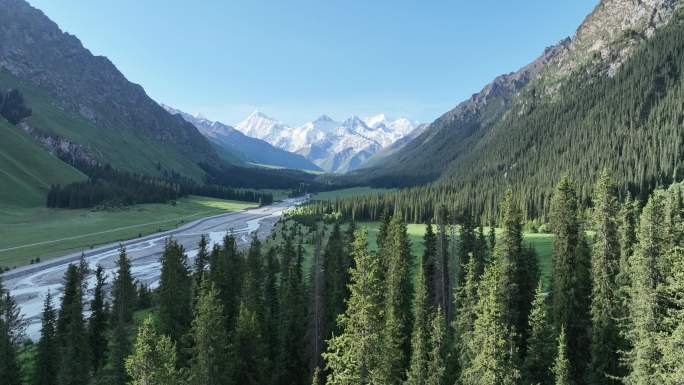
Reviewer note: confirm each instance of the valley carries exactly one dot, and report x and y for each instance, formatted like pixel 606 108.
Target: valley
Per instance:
pixel 60 231
pixel 30 284
pixel 530 233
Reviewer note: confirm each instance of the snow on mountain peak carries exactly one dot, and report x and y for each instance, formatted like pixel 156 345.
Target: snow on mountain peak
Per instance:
pixel 334 146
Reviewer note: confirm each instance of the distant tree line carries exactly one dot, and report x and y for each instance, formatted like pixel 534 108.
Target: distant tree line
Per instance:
pixel 109 186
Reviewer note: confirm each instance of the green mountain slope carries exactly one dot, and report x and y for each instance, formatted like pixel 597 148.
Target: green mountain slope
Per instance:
pixel 85 104
pixel 28 170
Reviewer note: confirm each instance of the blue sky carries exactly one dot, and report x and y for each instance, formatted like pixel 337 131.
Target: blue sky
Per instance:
pixel 298 59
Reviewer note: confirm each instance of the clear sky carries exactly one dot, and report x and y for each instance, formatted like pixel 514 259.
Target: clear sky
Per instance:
pixel 298 59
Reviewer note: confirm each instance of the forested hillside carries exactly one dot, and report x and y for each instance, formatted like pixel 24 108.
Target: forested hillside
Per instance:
pixel 629 122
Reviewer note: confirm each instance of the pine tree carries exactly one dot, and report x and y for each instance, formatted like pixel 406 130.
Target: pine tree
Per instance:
pixel 672 339
pixel 385 220
pixel 47 359
pixel 11 315
pixel 466 299
pixel 561 367
pixel 418 368
pixel 571 277
pixel 353 356
pixel 97 323
pixel 520 270
pixel 442 269
pixel 253 280
pixel 174 295
pixel 123 305
pixel 201 263
pixel 271 306
pixel 436 365
pixel 291 368
pixel 10 330
pixel 71 332
pixel 645 308
pixel 249 353
pixel 629 218
pixel 9 367
pixel 492 236
pixel 428 264
pixel 540 344
pixel 605 337
pixel 491 346
pixel 210 363
pixel 398 293
pixel 226 273
pixel 335 279
pixel 318 323
pixel 467 244
pixel 153 361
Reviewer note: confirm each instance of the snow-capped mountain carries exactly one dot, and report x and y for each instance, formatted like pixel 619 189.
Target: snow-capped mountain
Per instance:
pixel 234 146
pixel 334 146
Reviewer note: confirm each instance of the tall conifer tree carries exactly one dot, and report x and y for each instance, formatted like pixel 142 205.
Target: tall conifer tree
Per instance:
pixel 48 358
pixel 571 277
pixel 491 346
pixel 174 295
pixel 71 332
pixel 153 361
pixel 354 356
pixel 210 363
pixel 398 293
pixel 605 305
pixel 123 305
pixel 645 307
pixel 97 322
pixel 540 344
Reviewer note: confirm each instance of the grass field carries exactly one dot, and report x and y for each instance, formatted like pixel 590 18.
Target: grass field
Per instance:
pixel 27 170
pixel 541 243
pixel 349 192
pixel 53 232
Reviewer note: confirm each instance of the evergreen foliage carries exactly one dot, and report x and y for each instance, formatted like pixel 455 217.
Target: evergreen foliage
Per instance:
pixel 153 361
pixel 211 360
pixel 174 295
pixel 492 351
pixel 48 358
pixel 605 305
pixel 571 277
pixel 71 332
pixel 540 344
pixel 354 356
pixel 97 322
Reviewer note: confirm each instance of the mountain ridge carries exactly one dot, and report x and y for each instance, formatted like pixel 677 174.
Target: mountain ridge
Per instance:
pixel 332 145
pixel 247 149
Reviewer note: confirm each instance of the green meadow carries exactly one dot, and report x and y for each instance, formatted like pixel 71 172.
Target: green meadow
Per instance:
pixel 38 232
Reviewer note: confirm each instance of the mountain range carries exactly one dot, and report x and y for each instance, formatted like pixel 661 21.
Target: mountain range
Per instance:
pixel 332 145
pixel 236 147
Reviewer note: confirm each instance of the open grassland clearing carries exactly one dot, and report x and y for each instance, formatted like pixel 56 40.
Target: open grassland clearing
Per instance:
pixel 60 231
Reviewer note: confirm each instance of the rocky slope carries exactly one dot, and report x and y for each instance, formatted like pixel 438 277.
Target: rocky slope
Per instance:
pixel 245 148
